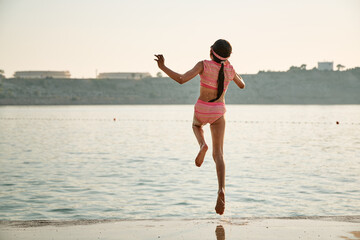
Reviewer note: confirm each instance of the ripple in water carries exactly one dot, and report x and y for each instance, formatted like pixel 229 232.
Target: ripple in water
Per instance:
pixel 276 166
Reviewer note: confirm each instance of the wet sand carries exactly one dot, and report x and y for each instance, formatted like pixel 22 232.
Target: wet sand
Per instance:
pixel 340 227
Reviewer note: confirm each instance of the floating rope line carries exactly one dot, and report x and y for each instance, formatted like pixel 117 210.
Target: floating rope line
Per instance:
pixel 176 120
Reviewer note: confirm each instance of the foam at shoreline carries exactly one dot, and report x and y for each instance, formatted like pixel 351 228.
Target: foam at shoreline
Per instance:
pixel 41 223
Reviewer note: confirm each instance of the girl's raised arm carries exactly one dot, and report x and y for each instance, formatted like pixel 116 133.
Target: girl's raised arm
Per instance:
pixel 239 81
pixel 180 78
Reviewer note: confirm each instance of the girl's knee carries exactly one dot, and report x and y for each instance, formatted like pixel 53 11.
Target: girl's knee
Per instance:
pixel 218 156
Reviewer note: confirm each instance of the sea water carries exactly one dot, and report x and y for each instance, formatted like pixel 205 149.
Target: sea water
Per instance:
pixel 137 162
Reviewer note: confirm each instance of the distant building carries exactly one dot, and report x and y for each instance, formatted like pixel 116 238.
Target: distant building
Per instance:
pixel 326 66
pixel 42 74
pixel 124 75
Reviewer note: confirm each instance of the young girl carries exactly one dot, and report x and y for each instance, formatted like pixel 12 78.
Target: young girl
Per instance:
pixel 215 76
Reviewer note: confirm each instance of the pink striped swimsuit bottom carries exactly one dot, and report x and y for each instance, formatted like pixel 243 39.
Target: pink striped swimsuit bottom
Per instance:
pixel 209 112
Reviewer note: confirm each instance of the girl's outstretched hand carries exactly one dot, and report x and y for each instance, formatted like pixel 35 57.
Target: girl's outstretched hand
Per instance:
pixel 160 60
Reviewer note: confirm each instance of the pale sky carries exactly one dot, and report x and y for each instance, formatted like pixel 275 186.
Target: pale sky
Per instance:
pixel 122 35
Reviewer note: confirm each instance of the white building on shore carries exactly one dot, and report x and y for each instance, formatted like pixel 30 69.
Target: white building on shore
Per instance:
pixel 326 66
pixel 42 74
pixel 124 75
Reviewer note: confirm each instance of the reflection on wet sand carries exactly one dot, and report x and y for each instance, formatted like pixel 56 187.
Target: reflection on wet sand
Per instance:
pixel 220 232
pixel 356 235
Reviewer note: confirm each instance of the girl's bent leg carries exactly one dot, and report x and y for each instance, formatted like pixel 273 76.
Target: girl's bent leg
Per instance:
pixel 199 134
pixel 217 134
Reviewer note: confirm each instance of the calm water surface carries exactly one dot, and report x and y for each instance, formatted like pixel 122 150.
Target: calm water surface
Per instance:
pixel 77 162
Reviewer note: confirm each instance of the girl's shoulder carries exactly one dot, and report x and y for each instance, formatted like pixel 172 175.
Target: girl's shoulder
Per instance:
pixel 211 63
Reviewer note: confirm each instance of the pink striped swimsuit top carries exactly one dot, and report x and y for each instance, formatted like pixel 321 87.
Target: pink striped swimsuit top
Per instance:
pixel 210 74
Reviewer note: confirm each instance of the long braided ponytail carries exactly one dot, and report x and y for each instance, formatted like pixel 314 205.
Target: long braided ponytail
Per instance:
pixel 221 49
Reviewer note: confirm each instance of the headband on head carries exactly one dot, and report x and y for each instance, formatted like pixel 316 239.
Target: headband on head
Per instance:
pixel 219 57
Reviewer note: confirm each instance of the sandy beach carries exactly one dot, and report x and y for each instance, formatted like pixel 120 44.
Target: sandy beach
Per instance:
pixel 340 227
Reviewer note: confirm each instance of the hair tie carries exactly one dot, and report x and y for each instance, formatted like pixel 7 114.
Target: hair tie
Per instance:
pixel 219 57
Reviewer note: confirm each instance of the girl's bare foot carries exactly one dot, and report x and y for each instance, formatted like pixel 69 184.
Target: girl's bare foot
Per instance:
pixel 220 203
pixel 201 155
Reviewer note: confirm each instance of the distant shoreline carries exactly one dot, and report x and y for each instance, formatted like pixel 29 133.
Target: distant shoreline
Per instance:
pixel 295 87
pixel 164 104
